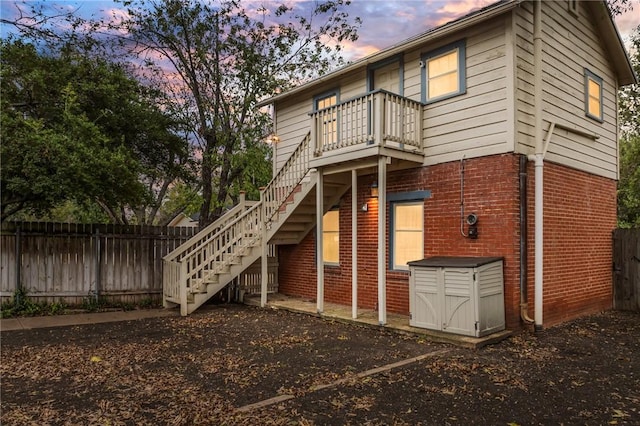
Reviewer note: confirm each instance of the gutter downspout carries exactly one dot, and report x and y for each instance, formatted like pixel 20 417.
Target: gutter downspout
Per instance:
pixel 524 297
pixel 539 164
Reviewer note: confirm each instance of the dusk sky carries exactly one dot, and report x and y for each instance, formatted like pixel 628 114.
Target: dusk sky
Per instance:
pixel 385 22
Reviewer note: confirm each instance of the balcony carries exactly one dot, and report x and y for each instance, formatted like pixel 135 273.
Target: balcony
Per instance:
pixel 379 123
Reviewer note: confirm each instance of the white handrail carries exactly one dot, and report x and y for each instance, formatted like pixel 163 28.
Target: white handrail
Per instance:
pixel 209 230
pixel 380 117
pixel 214 248
pixel 287 179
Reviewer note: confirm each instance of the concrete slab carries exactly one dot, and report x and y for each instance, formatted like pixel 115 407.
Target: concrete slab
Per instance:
pixel 395 322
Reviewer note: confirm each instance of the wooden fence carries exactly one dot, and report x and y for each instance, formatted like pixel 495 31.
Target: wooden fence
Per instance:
pixel 70 262
pixel 626 269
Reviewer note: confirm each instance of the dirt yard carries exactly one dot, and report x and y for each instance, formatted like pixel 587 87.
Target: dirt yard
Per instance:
pixel 240 365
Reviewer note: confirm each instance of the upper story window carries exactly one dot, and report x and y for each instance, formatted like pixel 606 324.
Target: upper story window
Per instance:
pixel 326 100
pixel 331 237
pixel 328 118
pixel 444 72
pixel 593 95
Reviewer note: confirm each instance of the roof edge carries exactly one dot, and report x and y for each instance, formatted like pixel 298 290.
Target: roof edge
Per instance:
pixel 611 37
pixel 471 19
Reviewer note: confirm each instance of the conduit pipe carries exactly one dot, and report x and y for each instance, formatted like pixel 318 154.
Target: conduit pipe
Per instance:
pixel 462 197
pixel 539 164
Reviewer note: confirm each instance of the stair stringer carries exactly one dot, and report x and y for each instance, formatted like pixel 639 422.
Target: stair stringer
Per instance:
pixel 288 209
pixel 328 205
pixel 306 196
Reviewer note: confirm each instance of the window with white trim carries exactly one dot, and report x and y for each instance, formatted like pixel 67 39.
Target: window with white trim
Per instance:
pixel 407 233
pixel 593 95
pixel 331 237
pixel 444 73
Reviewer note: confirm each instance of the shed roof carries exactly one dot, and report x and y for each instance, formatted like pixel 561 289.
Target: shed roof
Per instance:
pixel 603 19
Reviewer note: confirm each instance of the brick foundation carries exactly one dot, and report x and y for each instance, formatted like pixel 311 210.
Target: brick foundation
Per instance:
pixel 577 251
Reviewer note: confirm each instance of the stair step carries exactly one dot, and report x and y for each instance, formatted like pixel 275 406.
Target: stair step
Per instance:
pixel 306 209
pixel 223 268
pixel 232 259
pixel 285 235
pixel 283 242
pixel 293 226
pixel 297 217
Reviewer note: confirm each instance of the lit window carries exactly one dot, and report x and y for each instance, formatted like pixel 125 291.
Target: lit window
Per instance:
pixel 331 237
pixel 444 72
pixel 328 118
pixel 593 95
pixel 407 233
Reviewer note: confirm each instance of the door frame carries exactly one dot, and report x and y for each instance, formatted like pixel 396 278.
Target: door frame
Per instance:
pixel 371 68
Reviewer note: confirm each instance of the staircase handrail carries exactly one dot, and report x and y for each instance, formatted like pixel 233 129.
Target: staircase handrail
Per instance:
pixel 209 230
pixel 255 210
pixel 287 179
pixel 215 247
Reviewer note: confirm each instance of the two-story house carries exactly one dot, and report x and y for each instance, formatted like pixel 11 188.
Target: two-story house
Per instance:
pixel 494 135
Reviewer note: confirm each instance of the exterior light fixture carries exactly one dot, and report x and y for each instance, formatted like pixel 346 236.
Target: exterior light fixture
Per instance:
pixel 272 139
pixel 374 190
pixel 364 208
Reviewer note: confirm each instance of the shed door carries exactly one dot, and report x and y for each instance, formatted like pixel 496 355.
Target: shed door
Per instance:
pixel 426 307
pixel 459 310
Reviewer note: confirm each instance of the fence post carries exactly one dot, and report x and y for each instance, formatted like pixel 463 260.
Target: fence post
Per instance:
pixel 18 291
pixel 98 260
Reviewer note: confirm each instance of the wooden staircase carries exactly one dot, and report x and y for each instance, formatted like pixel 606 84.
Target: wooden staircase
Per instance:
pixel 285 214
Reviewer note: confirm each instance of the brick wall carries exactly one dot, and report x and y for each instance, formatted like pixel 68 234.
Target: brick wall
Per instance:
pixel 577 253
pixel 579 217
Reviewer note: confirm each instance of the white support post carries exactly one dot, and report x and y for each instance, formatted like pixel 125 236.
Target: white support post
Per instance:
pixel 419 128
pixel 382 240
pixel 314 134
pixel 264 254
pixel 378 125
pixel 319 245
pixel 354 244
pixel 183 289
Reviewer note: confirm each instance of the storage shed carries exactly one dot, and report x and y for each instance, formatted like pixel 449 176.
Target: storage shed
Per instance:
pixel 462 295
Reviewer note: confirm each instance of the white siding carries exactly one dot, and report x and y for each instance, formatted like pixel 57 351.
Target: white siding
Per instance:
pixel 292 115
pixel 291 126
pixel 489 118
pixel 475 123
pixel 570 45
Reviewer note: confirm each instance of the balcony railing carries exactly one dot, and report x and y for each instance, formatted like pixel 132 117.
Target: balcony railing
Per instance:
pixel 379 118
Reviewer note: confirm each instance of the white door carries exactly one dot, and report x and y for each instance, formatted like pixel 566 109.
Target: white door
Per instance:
pixel 459 311
pixel 423 299
pixel 387 78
